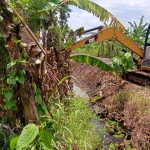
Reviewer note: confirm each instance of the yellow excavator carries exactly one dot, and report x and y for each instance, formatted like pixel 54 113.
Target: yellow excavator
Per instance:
pixel 141 75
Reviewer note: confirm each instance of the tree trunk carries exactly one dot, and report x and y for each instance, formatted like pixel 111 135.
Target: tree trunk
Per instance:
pixel 28 101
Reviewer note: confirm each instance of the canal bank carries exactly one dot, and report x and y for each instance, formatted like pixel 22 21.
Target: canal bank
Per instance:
pixel 122 102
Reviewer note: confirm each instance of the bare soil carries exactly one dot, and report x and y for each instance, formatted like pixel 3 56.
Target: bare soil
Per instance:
pixel 125 102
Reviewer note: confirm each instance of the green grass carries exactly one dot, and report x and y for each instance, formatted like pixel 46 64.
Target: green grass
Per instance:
pixel 123 96
pixel 80 125
pixel 74 127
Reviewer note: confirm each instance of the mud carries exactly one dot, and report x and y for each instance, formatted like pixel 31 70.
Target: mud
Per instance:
pixel 127 103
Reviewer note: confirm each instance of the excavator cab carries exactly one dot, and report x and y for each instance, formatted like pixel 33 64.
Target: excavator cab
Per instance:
pixel 146 59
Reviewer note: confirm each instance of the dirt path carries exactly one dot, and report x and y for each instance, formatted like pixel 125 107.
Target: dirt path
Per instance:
pixel 127 103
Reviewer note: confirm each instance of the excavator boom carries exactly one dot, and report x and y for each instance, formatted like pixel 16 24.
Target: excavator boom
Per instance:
pixel 112 35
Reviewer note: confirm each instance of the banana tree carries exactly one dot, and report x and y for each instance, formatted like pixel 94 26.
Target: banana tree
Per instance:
pixel 38 53
pixel 137 32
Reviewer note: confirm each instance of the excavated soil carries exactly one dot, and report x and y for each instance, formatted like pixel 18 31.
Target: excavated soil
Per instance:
pixel 125 102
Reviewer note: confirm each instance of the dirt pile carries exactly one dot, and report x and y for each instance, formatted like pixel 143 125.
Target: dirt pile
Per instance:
pixel 127 103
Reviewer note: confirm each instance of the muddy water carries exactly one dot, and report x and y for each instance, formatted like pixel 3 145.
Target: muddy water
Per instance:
pixel 79 92
pixel 104 135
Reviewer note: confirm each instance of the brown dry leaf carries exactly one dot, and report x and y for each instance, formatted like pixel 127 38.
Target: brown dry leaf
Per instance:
pixel 26 38
pixel 43 68
pixel 37 60
pixel 41 56
pixel 34 51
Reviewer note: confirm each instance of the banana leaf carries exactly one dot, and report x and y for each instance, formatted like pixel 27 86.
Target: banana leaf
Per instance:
pixel 97 10
pixel 86 59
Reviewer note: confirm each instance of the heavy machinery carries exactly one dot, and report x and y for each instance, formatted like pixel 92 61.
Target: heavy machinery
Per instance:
pixel 142 73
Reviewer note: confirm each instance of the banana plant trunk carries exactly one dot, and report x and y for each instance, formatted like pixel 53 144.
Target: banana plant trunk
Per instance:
pixel 28 100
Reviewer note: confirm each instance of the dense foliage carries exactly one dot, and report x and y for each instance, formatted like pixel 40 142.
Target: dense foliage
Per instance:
pixel 34 70
pixel 35 82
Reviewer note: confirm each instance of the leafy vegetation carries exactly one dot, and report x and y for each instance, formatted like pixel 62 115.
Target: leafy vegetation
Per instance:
pixel 122 63
pixel 35 76
pixel 137 32
pixel 91 61
pixel 69 128
pixel 114 128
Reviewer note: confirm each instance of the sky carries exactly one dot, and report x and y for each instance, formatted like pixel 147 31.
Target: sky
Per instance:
pixel 124 10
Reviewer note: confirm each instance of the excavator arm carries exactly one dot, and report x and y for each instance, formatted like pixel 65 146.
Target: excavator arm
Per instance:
pixel 140 75
pixel 112 35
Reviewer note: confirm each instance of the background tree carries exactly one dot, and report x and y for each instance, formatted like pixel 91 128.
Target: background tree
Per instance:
pixel 137 32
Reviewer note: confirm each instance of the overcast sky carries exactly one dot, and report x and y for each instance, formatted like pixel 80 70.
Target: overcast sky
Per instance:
pixel 123 10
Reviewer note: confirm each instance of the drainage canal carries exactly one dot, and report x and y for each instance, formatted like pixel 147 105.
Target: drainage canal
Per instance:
pixel 100 125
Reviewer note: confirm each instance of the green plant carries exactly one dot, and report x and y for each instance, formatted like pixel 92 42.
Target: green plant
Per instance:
pixel 113 146
pixel 123 96
pixel 14 75
pixel 128 145
pixel 137 32
pixel 114 128
pixel 122 63
pixel 6 134
pixel 91 49
pixel 41 107
pixel 28 134
pixel 79 124
pixel 69 127
pixel 87 59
